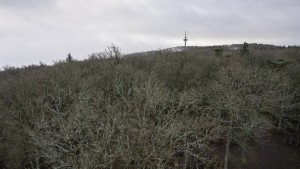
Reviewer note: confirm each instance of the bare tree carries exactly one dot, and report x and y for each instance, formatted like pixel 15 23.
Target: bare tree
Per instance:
pixel 113 52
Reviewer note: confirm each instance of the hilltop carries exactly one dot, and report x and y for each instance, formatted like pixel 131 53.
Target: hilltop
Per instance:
pixel 182 107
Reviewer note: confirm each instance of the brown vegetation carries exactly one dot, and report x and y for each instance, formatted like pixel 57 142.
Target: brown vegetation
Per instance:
pixel 153 110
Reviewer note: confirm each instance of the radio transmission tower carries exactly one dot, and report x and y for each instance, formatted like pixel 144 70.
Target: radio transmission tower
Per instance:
pixel 185 39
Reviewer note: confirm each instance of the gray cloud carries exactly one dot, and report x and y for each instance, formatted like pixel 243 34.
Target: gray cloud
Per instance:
pixel 35 30
pixel 30 4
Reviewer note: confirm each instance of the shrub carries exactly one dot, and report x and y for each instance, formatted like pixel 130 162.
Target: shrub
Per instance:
pixel 218 52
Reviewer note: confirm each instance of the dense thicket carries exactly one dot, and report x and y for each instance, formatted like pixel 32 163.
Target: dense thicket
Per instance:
pixel 152 110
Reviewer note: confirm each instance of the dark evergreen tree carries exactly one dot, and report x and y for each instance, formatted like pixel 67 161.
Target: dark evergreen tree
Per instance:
pixel 69 58
pixel 245 50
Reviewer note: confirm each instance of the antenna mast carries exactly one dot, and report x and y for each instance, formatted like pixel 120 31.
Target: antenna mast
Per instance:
pixel 185 39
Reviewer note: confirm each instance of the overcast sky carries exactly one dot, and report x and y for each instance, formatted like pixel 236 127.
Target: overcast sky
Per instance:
pixel 47 30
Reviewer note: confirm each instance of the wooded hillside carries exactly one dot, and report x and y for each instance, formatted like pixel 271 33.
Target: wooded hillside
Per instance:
pixel 160 109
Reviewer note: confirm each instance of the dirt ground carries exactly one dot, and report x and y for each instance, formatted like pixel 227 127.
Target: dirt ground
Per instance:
pixel 270 152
